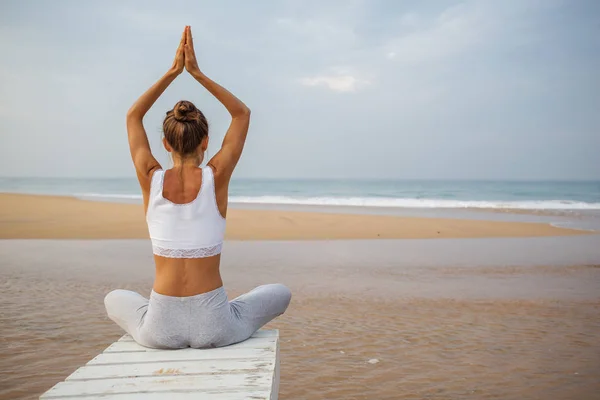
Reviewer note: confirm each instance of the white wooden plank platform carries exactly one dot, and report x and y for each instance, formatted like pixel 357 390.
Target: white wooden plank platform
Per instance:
pixel 128 371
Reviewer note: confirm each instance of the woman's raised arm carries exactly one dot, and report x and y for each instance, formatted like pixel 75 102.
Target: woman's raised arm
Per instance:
pixel 144 161
pixel 227 157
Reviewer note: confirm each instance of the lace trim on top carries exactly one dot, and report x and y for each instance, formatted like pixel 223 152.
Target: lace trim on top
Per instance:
pixel 188 253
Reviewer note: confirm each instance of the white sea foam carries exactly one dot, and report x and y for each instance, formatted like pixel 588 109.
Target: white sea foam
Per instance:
pixel 377 202
pixel 416 203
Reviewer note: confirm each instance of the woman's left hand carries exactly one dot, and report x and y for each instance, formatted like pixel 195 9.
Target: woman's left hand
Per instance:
pixel 191 64
pixel 179 62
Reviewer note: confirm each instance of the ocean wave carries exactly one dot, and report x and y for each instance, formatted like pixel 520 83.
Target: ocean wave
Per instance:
pixel 389 202
pixel 416 203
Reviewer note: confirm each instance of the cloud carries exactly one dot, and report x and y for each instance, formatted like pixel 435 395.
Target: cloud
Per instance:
pixel 341 82
pixel 415 42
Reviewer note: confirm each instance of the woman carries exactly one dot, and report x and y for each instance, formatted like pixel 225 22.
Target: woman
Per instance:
pixel 185 210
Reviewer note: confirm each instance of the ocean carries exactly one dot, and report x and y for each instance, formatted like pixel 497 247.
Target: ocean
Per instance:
pixel 414 194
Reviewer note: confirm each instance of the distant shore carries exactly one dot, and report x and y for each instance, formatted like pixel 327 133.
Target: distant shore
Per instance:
pixel 55 217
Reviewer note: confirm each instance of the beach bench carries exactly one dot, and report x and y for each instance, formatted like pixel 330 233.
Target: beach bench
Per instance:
pixel 128 371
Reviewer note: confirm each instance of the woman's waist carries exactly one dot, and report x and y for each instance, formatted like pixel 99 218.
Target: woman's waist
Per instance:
pixel 182 277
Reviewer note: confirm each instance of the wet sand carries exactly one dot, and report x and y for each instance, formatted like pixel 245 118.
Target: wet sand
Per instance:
pixel 52 217
pixel 472 318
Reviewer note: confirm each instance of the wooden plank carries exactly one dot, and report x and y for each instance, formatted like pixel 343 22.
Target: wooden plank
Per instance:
pixel 166 368
pixel 128 371
pixel 162 384
pixel 212 395
pixel 127 346
pixel 182 355
pixel 276 375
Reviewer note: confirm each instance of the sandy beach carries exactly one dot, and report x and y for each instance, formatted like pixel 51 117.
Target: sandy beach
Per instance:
pixel 53 217
pixel 495 310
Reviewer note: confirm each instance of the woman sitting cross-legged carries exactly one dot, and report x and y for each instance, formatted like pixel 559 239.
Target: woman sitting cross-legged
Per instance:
pixel 185 211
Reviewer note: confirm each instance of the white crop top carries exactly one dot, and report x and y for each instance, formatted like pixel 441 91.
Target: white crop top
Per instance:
pixel 190 230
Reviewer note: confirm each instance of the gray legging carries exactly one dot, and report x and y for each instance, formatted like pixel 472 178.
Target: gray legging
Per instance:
pixel 204 320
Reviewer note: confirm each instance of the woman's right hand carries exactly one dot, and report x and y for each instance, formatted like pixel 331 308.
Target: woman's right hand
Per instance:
pixel 191 64
pixel 179 61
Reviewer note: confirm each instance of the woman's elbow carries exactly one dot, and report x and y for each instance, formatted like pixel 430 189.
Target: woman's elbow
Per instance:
pixel 243 112
pixel 133 114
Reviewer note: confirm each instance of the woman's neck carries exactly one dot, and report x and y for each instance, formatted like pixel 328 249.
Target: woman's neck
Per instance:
pixel 187 163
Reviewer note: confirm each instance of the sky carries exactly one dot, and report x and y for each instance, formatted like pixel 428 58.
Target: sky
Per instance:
pixel 338 89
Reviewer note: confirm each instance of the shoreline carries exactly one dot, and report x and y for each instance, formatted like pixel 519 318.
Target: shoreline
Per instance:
pixel 326 208
pixel 24 216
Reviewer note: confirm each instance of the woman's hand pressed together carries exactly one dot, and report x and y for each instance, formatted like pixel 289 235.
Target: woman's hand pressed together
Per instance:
pixel 191 64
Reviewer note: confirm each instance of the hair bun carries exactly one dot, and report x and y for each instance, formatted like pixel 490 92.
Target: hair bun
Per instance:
pixel 185 111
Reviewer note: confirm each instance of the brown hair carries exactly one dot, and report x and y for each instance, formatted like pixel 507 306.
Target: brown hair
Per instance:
pixel 184 127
